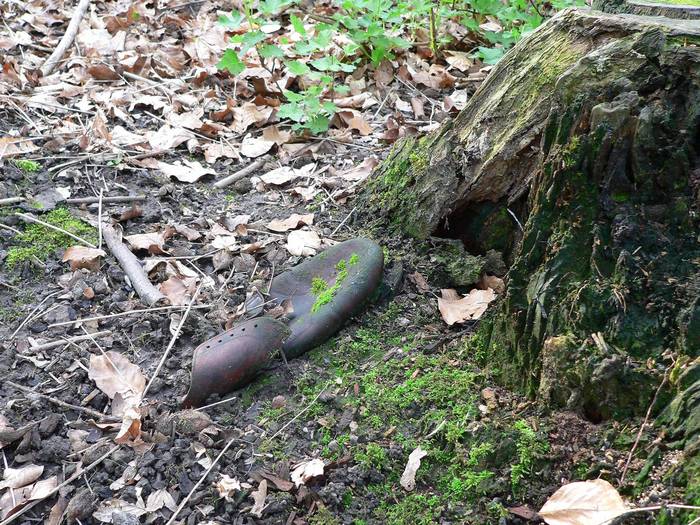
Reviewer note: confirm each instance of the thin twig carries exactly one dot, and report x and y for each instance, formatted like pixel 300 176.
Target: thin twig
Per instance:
pixel 641 428
pixel 58 402
pixel 29 317
pixel 53 491
pixel 240 174
pixel 29 218
pixel 75 339
pixel 217 403
pixel 107 200
pixel 99 219
pixel 343 222
pixel 173 339
pixel 121 314
pixel 67 39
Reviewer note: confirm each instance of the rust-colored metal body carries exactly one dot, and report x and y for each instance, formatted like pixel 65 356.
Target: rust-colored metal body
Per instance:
pixel 348 273
pixel 231 359
pixel 314 321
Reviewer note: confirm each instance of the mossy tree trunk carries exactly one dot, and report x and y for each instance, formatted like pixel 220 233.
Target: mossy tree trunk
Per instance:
pixel 578 160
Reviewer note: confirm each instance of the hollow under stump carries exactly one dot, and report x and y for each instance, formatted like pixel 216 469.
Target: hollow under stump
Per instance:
pixel 578 159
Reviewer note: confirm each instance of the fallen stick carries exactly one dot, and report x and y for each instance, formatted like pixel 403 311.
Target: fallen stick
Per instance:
pixel 11 200
pixel 76 475
pixel 240 174
pixel 89 411
pixel 172 339
pixel 68 340
pixel 29 218
pixel 67 39
pixel 107 200
pixel 148 293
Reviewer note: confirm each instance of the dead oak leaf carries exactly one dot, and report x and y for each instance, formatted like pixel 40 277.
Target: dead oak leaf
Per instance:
pixel 292 222
pixel 114 374
pixel 187 171
pixel 408 478
pixel 83 257
pixel 303 242
pixel 583 503
pixel 456 309
pixel 152 242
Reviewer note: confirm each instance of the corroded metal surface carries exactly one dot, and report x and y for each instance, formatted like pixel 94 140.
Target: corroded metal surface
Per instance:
pixel 231 359
pixel 351 271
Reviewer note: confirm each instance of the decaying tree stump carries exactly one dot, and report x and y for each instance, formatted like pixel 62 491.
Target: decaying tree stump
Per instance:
pixel 578 160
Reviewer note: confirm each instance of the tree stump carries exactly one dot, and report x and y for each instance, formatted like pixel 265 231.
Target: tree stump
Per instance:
pixel 578 160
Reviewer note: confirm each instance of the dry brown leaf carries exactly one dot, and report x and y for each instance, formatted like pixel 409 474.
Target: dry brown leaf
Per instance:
pixel 593 502
pixel 227 486
pixel 20 477
pixel 306 471
pixel 303 242
pixel 259 497
pixel 253 147
pixel 153 242
pixel 160 498
pixel 179 290
pixel 456 309
pixel 11 146
pixel 361 171
pixel 187 171
pixel 459 60
pixel 408 478
pixel 291 223
pixel 83 257
pixel 491 281
pixel 115 374
pixel 215 150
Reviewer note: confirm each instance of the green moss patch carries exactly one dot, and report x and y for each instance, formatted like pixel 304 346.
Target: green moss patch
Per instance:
pixel 38 241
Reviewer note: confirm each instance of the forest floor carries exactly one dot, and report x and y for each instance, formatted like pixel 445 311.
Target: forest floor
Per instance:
pixel 393 379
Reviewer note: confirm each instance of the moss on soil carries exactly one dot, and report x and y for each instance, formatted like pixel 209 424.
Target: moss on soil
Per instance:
pixel 38 241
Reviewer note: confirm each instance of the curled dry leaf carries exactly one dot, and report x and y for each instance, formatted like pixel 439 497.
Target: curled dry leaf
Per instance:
pixel 253 147
pixel 114 374
pixel 160 498
pixel 188 171
pixel 83 257
pixel 583 503
pixel 290 223
pixel 491 281
pixel 408 478
pixel 303 242
pixel 285 174
pixel 259 497
pixel 307 470
pixel 15 478
pixel 361 171
pixel 12 500
pixel 456 309
pixel 153 242
pixel 227 486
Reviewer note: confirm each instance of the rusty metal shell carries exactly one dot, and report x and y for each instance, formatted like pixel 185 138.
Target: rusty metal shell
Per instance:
pixel 231 359
pixel 310 323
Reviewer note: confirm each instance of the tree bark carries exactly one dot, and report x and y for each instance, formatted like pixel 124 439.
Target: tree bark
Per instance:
pixel 577 159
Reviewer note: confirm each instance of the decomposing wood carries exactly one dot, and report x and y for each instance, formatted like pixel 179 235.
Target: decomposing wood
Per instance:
pixel 67 40
pixel 107 200
pixel 68 340
pixel 29 218
pixel 148 293
pixel 89 411
pixel 587 132
pixel 240 174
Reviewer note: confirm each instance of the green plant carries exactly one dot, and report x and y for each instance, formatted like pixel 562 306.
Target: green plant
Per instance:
pixel 39 242
pixel 28 166
pixel 373 456
pixel 529 445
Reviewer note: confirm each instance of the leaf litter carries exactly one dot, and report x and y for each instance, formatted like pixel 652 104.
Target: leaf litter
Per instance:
pixel 142 105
